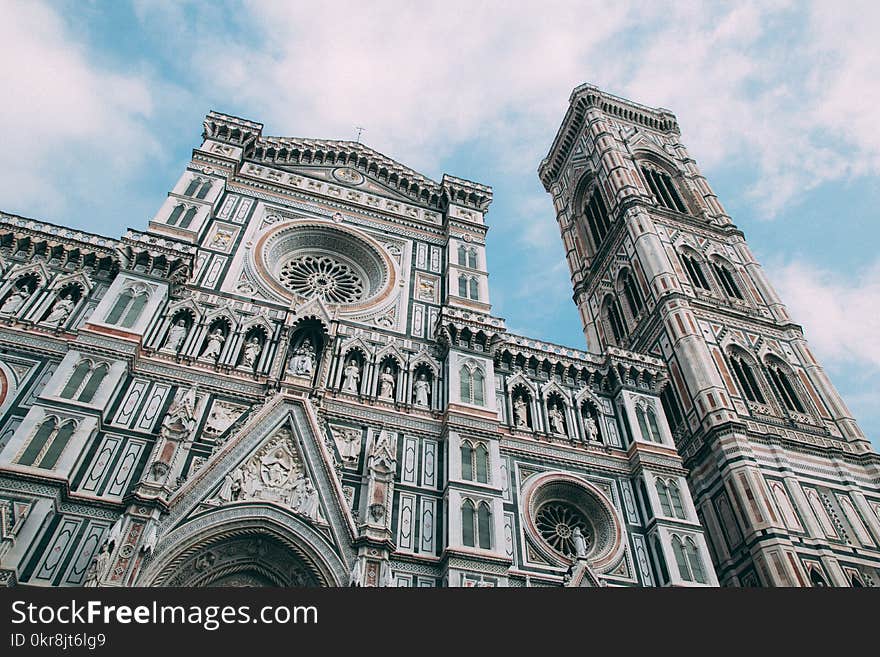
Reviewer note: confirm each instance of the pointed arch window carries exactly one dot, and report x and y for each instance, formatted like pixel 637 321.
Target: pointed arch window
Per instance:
pixel 597 217
pixel 203 191
pixel 175 215
pixel 472 385
pixel 663 189
pixel 742 370
pixel 727 280
pixel 476 522
pixel 75 382
pixel 695 272
pixel 462 255
pixel 463 286
pixel 48 443
pixel 468 519
pixel 663 494
pixel 93 383
pixel 194 184
pixel 784 388
pixel 484 533
pixel 467 461
pixel 633 294
pixel 647 419
pixel 614 319
pixel 687 557
pixel 85 381
pixel 675 499
pixel 472 258
pixel 474 289
pixel 188 217
pixel 128 307
pixel 482 464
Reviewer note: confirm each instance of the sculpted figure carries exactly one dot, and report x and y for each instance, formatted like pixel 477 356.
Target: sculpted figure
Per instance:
pixel 352 376
pixel 580 542
pixel 557 419
pixel 386 384
pixel 176 336
pixel 421 388
pixel 60 311
pixel 308 505
pixel 251 352
pixel 592 429
pixel 303 361
pixel 520 419
pixel 15 300
pixel 215 343
pixel 98 568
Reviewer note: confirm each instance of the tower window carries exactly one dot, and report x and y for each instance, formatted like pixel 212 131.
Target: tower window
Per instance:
pixel 47 444
pixel 614 320
pixel 746 378
pixel 784 389
pixel 472 385
pixel 687 557
pixel 695 272
pixel 663 190
pixel 632 293
pixel 597 218
pixel 728 282
pixel 476 525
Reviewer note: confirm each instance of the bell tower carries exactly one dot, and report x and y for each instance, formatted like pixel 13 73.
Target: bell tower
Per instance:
pixel 784 480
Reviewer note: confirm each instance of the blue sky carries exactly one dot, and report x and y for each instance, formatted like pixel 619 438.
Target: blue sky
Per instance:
pixel 777 102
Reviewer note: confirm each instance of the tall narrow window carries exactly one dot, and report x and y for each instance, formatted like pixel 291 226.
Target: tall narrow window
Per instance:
pixel 633 294
pixel 746 378
pixel 122 302
pixel 467 461
pixel 35 447
pixel 74 383
pixel 462 286
pixel 597 218
pixel 684 569
pixel 465 384
pixel 663 494
pixel 728 282
pixel 671 407
pixel 695 272
pixel 475 290
pixel 472 258
pixel 203 192
pixel 675 499
pixel 175 215
pixel 479 388
pixel 615 321
pixel 56 447
pixel 192 187
pixel 94 382
pixel 484 518
pixel 784 389
pixel 188 217
pixel 482 459
pixel 643 423
pixel 653 426
pixel 134 311
pixel 467 523
pixel 694 561
pixel 462 255
pixel 663 189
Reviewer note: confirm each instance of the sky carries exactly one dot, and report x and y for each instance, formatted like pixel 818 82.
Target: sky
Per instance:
pixel 777 101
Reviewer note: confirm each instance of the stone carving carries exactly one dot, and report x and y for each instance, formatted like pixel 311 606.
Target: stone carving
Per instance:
pixel 592 429
pixel 177 427
pixel 222 238
pixel 115 533
pixel 302 363
pixel 219 419
pixel 15 300
pixel 579 542
pixel 386 384
pixel 557 419
pixel 214 344
pixel 356 577
pixel 421 389
pixel 98 568
pixel 520 417
pixel 252 350
pixel 60 311
pixel 352 377
pixel 426 289
pixel 176 336
pixel 348 442
pixel 150 539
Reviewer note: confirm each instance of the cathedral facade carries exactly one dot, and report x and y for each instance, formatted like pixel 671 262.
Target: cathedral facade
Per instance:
pixel 292 376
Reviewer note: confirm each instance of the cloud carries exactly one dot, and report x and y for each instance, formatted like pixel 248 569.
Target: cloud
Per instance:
pixel 71 129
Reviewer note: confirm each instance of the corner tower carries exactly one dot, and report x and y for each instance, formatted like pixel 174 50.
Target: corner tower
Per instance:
pixel 785 482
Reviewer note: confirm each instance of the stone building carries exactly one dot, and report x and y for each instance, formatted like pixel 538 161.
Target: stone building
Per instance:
pixel 292 376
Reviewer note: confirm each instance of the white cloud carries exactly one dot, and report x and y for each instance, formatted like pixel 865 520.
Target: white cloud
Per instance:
pixel 69 127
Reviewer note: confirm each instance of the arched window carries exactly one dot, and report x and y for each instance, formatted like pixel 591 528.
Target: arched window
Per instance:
pixel 784 388
pixel 466 384
pixel 664 191
pixel 467 461
pixel 94 382
pixel 122 302
pixel 188 217
pixel 614 320
pixel 75 382
pixel 484 531
pixel 663 494
pixel 728 282
pixel 681 559
pixel 482 464
pixel 479 389
pixel 468 518
pixel 785 507
pixel 462 286
pixel 817 579
pixel 134 310
pixel 203 192
pixel 472 385
pixel 472 258
pixel 475 290
pixel 695 272
pixel 632 293
pixel 675 499
pixel 746 378
pixel 462 255
pixel 661 561
pixel 694 560
pixel 597 217
pixel 47 444
pixel 652 425
pixel 175 215
pixel 647 419
pixel 192 187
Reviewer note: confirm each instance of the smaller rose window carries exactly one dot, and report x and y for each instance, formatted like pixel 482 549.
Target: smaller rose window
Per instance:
pixel 323 276
pixel 556 522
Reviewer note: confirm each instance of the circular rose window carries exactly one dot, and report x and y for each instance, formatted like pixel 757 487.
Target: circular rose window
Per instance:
pixel 557 504
pixel 337 265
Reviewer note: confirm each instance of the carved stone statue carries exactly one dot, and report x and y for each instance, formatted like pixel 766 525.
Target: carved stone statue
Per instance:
pixel 352 376
pixel 15 300
pixel 252 351
pixel 115 533
pixel 219 419
pixel 557 419
pixel 60 311
pixel 151 538
pixel 421 388
pixel 308 502
pixel 176 336
pixel 386 384
pixel 356 577
pixel 580 543
pixel 592 429
pixel 520 417
pixel 302 363
pixel 98 568
pixel 350 444
pixel 215 343
pixel 231 487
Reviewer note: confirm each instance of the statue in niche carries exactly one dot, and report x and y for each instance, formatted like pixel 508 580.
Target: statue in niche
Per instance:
pixel 352 376
pixel 176 336
pixel 302 363
pixel 276 468
pixel 580 543
pixel 557 419
pixel 250 481
pixel 386 384
pixel 231 487
pixel 252 350
pixel 99 567
pixel 308 502
pixel 15 300
pixel 351 444
pixel 60 311
pixel 219 419
pixel 592 429
pixel 215 343
pixel 520 418
pixel 421 388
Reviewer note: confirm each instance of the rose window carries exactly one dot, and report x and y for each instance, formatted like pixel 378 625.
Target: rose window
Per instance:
pixel 556 522
pixel 321 275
